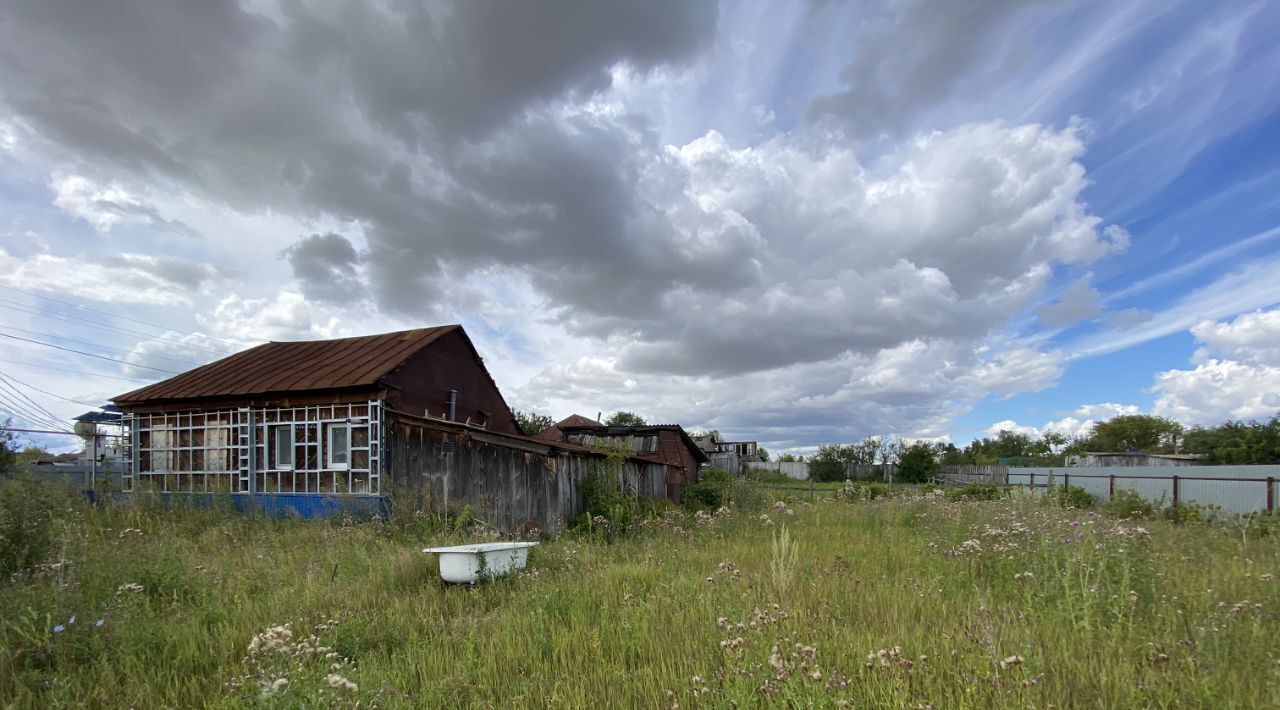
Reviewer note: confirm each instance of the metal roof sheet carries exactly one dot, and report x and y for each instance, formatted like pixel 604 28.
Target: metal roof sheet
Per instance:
pixel 294 367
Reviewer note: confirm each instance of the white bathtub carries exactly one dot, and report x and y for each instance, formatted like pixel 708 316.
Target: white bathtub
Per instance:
pixel 468 564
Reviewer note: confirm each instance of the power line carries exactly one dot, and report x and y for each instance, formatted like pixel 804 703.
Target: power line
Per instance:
pixel 81 352
pixel 86 322
pixel 113 315
pixel 76 372
pixel 45 392
pixel 14 408
pixel 49 417
pixel 38 431
pixel 188 363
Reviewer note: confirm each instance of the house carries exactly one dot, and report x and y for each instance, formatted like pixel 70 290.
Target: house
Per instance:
pixel 314 427
pixel 727 455
pixel 666 444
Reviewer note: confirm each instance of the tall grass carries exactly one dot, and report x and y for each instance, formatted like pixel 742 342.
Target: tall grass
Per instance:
pixel 888 602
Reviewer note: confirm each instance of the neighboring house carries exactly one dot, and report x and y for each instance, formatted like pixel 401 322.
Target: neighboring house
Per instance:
pixel 666 444
pixel 318 426
pixel 727 455
pixel 1133 458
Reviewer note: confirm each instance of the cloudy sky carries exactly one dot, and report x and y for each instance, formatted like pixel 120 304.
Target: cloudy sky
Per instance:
pixel 793 222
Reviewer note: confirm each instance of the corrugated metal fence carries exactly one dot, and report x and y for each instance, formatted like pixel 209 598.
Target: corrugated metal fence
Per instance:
pixel 1236 489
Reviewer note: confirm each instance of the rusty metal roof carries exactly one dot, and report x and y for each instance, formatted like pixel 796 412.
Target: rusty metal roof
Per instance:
pixel 294 367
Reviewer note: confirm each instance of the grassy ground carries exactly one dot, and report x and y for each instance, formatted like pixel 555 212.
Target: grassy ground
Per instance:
pixel 886 603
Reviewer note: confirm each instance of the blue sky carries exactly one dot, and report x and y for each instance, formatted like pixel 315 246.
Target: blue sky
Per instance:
pixel 793 222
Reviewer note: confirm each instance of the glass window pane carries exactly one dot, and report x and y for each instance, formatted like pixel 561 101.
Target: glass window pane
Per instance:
pixel 284 447
pixel 339 443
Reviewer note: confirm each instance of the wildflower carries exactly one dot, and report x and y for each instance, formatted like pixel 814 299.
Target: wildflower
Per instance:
pixel 72 620
pixel 98 622
pixel 279 684
pixel 336 681
pixel 1010 662
pixel 59 629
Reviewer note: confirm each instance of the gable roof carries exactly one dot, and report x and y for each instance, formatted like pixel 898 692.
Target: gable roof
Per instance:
pixel 600 430
pixel 554 432
pixel 295 366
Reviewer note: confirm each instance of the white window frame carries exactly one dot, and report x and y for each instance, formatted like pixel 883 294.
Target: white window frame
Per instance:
pixel 334 428
pixel 277 430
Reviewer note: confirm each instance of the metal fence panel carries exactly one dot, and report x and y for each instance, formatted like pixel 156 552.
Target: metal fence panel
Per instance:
pixel 1236 489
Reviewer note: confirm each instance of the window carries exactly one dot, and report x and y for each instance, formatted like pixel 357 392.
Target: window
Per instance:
pixel 339 446
pixel 283 451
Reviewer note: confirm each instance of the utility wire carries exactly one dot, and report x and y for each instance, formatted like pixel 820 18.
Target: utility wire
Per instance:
pixel 37 431
pixel 86 322
pixel 14 408
pixel 49 417
pixel 33 414
pixel 76 372
pixel 45 392
pixel 13 399
pixel 188 363
pixel 108 313
pixel 81 352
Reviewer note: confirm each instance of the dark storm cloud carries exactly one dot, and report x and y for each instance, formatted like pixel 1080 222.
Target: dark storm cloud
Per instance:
pixel 457 137
pixel 326 266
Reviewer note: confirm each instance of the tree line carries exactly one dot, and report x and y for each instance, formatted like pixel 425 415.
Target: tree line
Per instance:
pixel 1232 442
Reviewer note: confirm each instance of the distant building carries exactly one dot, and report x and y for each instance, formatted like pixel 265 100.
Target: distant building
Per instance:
pixel 728 455
pixel 667 444
pixel 1132 458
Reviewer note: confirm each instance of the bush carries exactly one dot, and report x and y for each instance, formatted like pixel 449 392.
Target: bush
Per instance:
pixel 703 496
pixel 710 492
pixel 977 491
pixel 917 463
pixel 1190 513
pixel 1071 497
pixel 1128 504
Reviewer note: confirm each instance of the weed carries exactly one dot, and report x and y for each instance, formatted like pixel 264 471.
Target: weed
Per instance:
pixel 1126 504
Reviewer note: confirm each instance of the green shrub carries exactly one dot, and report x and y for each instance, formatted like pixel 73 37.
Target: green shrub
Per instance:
pixel 710 492
pixel 1071 497
pixel 977 491
pixel 1128 504
pixel 703 495
pixel 1190 513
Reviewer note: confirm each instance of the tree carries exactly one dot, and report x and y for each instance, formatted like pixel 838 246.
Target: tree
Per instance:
pixel 762 453
pixel 531 423
pixel 8 446
pixel 788 458
pixel 917 463
pixel 624 419
pixel 1136 432
pixel 1235 442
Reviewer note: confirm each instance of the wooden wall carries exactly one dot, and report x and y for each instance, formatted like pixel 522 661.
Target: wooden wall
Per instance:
pixel 510 483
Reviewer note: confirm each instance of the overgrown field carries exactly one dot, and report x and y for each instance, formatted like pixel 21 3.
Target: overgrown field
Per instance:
pixel 893 602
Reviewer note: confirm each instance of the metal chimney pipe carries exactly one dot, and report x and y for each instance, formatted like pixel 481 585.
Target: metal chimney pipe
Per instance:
pixel 453 405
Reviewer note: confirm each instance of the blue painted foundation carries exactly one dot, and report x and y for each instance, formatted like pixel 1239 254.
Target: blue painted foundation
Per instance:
pixel 307 505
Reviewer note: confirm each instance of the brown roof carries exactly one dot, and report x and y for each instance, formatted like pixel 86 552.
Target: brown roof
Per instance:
pixel 665 455
pixel 553 432
pixel 295 366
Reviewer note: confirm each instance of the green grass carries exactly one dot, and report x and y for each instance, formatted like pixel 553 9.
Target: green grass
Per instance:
pixel 874 603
